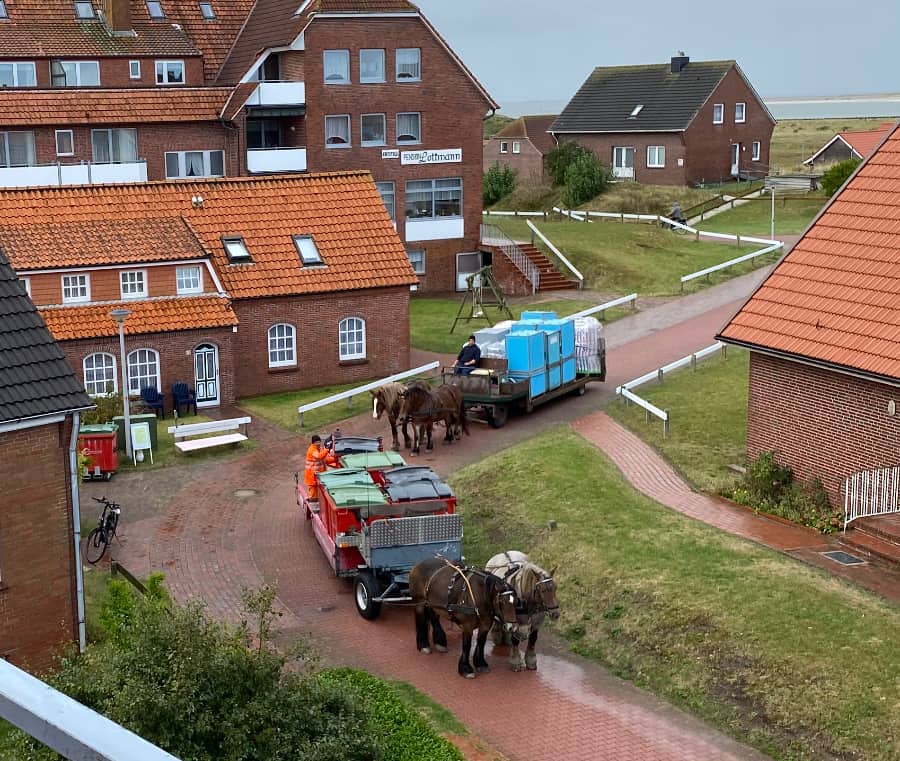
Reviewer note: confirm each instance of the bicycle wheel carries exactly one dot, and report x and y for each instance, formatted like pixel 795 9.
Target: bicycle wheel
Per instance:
pixel 96 545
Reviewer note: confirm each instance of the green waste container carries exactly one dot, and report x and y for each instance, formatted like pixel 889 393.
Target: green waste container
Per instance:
pixel 119 420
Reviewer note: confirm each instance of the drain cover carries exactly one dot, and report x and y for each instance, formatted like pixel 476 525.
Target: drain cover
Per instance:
pixel 245 493
pixel 844 558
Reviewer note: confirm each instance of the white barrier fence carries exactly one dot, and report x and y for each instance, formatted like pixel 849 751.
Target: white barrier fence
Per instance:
pixel 630 298
pixel 730 263
pixel 556 252
pixel 350 393
pixel 871 492
pixel 690 360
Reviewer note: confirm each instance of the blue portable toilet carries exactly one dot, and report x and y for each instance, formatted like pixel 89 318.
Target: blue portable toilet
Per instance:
pixel 568 370
pixel 525 352
pixel 566 327
pixel 539 316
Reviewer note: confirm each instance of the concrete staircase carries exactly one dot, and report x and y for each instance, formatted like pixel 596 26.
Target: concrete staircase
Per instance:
pixel 878 536
pixel 551 278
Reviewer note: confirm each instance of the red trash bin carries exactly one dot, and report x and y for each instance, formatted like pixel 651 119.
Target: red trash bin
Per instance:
pixel 98 446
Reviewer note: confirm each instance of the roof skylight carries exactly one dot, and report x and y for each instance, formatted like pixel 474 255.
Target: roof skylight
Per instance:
pixel 207 11
pixel 635 111
pixel 155 9
pixel 84 9
pixel 3 12
pixel 236 250
pixel 306 247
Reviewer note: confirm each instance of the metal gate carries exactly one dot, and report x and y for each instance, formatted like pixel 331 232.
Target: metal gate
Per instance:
pixel 871 492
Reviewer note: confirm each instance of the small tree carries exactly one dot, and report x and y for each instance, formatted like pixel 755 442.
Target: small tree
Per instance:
pixel 498 182
pixel 559 160
pixel 837 175
pixel 585 178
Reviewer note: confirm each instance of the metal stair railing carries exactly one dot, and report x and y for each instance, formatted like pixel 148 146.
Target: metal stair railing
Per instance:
pixel 871 492
pixel 493 236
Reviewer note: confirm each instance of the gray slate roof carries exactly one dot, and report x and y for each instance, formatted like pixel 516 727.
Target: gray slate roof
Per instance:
pixel 670 101
pixel 35 378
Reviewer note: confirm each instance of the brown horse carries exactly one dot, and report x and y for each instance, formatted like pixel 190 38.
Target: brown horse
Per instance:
pixel 536 592
pixel 387 399
pixel 470 598
pixel 424 406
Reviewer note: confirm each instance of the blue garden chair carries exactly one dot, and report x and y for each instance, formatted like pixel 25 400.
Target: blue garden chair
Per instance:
pixel 154 400
pixel 182 396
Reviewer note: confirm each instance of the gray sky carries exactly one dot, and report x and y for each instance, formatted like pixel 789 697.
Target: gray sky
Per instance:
pixel 524 50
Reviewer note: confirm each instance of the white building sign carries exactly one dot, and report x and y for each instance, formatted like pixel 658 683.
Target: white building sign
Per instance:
pixel 390 154
pixel 444 156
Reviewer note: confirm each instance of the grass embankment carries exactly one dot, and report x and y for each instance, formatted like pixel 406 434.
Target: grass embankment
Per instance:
pixel 792 216
pixel 626 258
pixel 281 408
pixel 778 654
pixel 795 140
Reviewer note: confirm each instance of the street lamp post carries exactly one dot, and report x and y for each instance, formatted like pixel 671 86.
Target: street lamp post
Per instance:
pixel 120 315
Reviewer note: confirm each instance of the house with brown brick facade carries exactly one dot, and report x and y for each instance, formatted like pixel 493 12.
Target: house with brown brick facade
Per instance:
pixel 130 90
pixel 41 597
pixel 851 144
pixel 522 145
pixel 235 286
pixel 823 332
pixel 679 123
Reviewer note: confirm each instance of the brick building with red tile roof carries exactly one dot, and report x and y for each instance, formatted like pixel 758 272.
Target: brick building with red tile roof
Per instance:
pixel 824 335
pixel 276 283
pixel 522 145
pixel 856 144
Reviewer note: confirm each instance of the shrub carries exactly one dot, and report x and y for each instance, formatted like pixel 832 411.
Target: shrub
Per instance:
pixel 498 182
pixel 560 159
pixel 586 177
pixel 837 175
pixel 765 479
pixel 531 195
pixel 108 406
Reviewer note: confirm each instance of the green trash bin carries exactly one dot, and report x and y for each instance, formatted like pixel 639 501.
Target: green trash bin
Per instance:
pixel 119 420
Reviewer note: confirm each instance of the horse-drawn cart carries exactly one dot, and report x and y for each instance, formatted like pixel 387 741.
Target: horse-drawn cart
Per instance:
pixel 375 518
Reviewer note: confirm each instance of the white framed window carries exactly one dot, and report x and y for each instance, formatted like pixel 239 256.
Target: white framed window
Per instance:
pixel 133 284
pixel 409 128
pixel 336 64
pixel 114 146
pixel 417 260
pixel 195 164
pixel 74 73
pixel 189 279
pixel 100 374
pixel 373 129
pixel 337 131
pixel 18 74
pixel 718 113
pixel 740 113
pixel 432 199
pixel 76 288
pixel 282 345
pixel 517 146
pixel 134 69
pixel 236 250
pixel 155 9
pixel 757 150
pixel 504 146
pixel 17 149
pixel 409 65
pixel 170 72
pixel 26 282
pixel 656 156
pixel 84 9
pixel 143 370
pixel 388 193
pixel 371 66
pixel 352 338
pixel 207 11
pixel 309 252
pixel 65 142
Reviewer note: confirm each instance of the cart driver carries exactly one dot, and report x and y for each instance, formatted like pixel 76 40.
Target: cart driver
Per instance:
pixel 467 359
pixel 317 460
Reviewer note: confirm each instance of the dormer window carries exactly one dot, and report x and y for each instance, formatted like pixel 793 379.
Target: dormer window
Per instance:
pixel 306 247
pixel 206 10
pixel 635 111
pixel 3 12
pixel 236 250
pixel 155 9
pixel 84 9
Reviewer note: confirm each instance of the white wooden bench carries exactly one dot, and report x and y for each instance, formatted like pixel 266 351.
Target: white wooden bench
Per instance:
pixel 182 432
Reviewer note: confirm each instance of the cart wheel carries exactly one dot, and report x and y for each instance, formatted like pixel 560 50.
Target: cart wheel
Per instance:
pixel 108 475
pixel 579 391
pixel 365 588
pixel 498 416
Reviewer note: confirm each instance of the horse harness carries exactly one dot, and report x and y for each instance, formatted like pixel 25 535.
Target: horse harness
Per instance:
pixel 537 604
pixel 460 606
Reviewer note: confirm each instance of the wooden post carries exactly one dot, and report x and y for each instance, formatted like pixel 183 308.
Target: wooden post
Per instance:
pixel 349 403
pixel 666 425
pixel 300 420
pixel 738 237
pixel 659 375
pixel 693 362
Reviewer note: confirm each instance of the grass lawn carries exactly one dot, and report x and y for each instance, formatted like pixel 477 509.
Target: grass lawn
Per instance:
pixel 627 258
pixel 708 418
pixel 795 140
pixel 792 216
pixel 430 320
pixel 778 654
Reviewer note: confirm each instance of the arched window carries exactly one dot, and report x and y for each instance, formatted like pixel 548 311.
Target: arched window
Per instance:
pixel 352 338
pixel 282 345
pixel 100 374
pixel 143 370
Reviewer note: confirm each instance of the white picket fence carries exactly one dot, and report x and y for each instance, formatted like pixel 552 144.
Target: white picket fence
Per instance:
pixel 871 492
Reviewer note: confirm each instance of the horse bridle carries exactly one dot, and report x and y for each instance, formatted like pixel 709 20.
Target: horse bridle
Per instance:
pixel 540 599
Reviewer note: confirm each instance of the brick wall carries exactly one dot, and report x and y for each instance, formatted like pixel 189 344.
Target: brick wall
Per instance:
pixel 822 424
pixel 290 65
pixel 315 319
pixel 528 163
pixel 115 72
pixel 671 174
pixel 38 608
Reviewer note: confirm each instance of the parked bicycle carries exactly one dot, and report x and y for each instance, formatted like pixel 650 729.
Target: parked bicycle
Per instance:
pixel 101 536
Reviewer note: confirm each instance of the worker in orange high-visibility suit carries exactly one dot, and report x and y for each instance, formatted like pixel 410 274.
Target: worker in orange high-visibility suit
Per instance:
pixel 317 459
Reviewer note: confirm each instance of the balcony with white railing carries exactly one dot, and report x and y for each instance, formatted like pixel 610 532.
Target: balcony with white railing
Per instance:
pixel 274 160
pixel 84 173
pixel 278 94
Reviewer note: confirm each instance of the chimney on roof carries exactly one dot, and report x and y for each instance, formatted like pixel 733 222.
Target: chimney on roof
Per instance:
pixel 679 61
pixel 118 16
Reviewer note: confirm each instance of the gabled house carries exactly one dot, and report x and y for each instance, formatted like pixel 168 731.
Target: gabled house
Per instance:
pixel 235 286
pixel 680 123
pixel 823 332
pixel 522 145
pixel 41 595
pixel 857 144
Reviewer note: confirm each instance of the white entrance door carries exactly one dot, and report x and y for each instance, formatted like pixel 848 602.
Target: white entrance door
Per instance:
pixel 206 375
pixel 735 159
pixel 623 163
pixel 467 264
